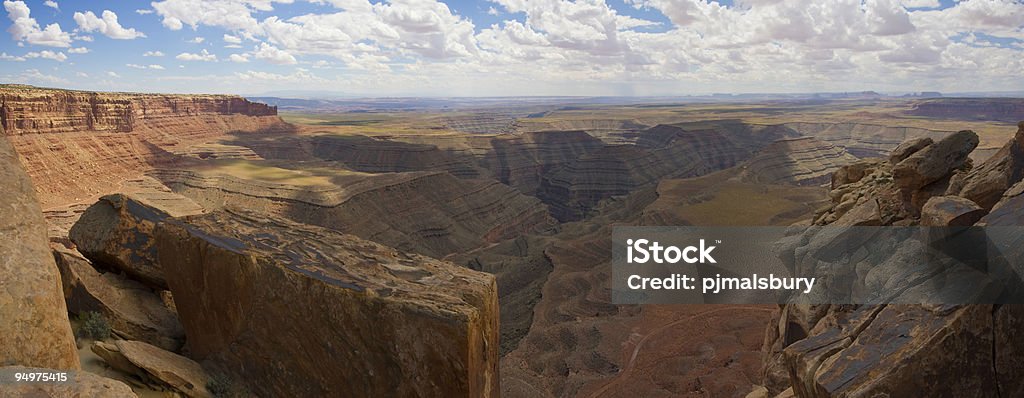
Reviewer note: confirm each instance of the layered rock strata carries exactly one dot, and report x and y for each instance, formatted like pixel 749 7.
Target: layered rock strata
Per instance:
pixel 431 213
pixel 79 145
pixel 345 317
pixel 797 161
pixel 663 151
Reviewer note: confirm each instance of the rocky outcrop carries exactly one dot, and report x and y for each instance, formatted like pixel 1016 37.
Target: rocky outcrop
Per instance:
pixel 907 148
pixel 116 231
pixel 902 350
pixel 933 162
pixel 154 365
pixel 79 384
pixel 35 330
pixel 874 192
pixel 986 183
pixel 345 316
pixel 132 309
pixel 430 213
pixel 79 145
pixel 796 161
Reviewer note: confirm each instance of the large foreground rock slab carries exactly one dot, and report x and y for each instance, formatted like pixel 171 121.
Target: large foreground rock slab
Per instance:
pixel 79 384
pixel 152 363
pixel 34 326
pixel 133 310
pixel 297 310
pixel 116 232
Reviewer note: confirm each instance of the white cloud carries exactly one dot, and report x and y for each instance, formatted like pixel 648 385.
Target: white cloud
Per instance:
pixel 143 11
pixel 6 57
pixel 78 50
pixel 228 14
pixel 113 74
pixel 197 40
pixel 153 54
pixel 273 55
pixel 921 3
pixel 107 25
pixel 47 54
pixel 37 77
pixel 52 4
pixel 137 66
pixel 25 29
pixel 232 39
pixel 202 56
pixel 492 11
pixel 240 58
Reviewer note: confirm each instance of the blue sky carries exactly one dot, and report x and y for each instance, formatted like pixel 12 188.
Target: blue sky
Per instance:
pixel 515 47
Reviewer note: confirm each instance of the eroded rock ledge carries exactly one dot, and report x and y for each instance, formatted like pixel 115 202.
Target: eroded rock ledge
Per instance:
pixel 297 310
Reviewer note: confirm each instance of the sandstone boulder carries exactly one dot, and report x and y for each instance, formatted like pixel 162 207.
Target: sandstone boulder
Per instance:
pixel 151 363
pixel 34 326
pixel 853 172
pixel 986 183
pixel 79 384
pixel 907 148
pixel 132 309
pixel 116 231
pixel 297 310
pixel 950 211
pixel 934 161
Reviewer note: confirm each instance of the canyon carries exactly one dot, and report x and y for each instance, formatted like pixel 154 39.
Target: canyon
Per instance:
pixel 222 240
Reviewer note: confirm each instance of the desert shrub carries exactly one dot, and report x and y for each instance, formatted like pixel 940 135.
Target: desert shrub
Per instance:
pixel 94 325
pixel 220 385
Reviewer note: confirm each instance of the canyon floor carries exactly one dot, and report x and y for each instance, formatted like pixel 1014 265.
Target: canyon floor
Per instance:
pixel 528 193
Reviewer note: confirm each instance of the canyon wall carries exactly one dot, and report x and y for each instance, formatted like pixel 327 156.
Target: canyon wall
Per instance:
pixel 79 145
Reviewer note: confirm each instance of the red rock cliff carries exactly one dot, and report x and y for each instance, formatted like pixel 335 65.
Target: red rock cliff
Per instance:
pixel 31 110
pixel 79 145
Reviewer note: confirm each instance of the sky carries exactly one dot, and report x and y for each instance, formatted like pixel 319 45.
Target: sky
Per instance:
pixel 515 47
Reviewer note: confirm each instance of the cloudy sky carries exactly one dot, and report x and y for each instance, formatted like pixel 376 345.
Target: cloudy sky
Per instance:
pixel 515 47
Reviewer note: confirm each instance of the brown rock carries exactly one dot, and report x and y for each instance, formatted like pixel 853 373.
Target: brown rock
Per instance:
pixel 152 363
pixel 866 213
pixel 115 233
pixel 132 309
pixel 78 384
pixel 34 326
pixel 934 161
pixel 907 148
pixel 950 211
pixel 892 353
pixel 854 172
pixel 986 184
pixel 298 310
